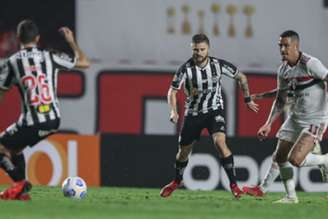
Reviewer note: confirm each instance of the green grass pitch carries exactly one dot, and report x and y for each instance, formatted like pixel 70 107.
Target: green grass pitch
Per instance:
pixel 107 202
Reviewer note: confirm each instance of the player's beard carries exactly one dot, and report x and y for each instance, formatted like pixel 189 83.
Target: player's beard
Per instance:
pixel 284 57
pixel 199 59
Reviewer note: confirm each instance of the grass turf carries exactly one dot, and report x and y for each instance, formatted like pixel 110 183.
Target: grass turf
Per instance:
pixel 48 202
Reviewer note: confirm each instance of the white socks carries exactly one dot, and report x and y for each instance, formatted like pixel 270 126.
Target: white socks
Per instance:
pixel 314 160
pixel 286 173
pixel 270 177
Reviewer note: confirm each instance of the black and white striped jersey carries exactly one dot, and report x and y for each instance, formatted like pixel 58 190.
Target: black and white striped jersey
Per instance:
pixel 202 86
pixel 35 71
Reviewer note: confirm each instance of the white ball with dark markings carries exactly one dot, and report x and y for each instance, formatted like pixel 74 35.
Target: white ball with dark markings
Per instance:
pixel 74 187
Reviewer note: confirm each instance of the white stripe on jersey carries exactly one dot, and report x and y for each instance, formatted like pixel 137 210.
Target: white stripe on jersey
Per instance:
pixel 200 95
pixel 208 95
pixel 53 85
pixel 217 96
pixel 41 116
pixel 27 71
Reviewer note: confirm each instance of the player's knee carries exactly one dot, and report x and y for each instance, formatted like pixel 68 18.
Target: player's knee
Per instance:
pixel 295 161
pixel 219 141
pixel 183 153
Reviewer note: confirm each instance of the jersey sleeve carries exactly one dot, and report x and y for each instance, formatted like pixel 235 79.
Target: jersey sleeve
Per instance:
pixel 7 76
pixel 316 68
pixel 179 78
pixel 228 68
pixel 64 61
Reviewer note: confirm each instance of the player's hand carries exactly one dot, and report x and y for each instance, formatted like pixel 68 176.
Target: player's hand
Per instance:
pixel 68 34
pixel 263 132
pixel 174 117
pixel 253 106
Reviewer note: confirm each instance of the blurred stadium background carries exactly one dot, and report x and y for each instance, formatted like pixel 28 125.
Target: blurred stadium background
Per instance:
pixel 115 129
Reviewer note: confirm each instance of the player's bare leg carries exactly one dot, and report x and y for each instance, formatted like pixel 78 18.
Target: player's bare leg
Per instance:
pixel 286 172
pixel 273 172
pixel 180 165
pixel 300 155
pixel 227 162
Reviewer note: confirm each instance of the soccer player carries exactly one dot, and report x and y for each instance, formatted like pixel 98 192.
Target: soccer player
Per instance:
pixel 302 78
pixel 201 76
pixel 273 171
pixel 34 71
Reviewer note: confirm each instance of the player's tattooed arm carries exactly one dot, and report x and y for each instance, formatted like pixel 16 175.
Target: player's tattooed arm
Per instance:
pixel 242 80
pixel 172 101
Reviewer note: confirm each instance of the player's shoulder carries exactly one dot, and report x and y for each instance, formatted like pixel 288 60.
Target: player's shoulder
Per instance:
pixel 14 55
pixel 216 60
pixel 309 61
pixel 305 58
pixel 222 62
pixel 187 64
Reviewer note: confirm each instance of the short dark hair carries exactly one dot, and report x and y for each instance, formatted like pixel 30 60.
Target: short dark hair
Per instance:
pixel 290 33
pixel 200 38
pixel 27 31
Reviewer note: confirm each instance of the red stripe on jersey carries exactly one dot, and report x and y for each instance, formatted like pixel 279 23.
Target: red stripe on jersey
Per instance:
pixel 304 78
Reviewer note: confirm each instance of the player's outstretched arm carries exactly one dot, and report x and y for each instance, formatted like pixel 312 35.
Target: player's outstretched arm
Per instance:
pixel 266 94
pixel 276 110
pixel 82 59
pixel 242 81
pixel 172 101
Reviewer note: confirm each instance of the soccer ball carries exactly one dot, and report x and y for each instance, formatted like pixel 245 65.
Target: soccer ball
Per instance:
pixel 74 187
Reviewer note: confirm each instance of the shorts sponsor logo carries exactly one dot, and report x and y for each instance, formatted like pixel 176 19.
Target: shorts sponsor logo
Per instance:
pixel 219 118
pixel 43 133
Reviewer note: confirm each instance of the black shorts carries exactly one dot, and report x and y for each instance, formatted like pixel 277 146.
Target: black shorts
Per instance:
pixel 193 125
pixel 16 137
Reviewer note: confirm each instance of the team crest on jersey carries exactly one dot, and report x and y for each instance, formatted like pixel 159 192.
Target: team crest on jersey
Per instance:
pixel 292 84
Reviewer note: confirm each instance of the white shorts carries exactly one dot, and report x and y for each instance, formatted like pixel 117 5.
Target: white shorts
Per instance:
pixel 291 129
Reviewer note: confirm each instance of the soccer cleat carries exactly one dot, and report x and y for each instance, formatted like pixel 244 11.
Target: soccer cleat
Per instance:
pixel 253 191
pixel 236 190
pixel 169 188
pixel 287 200
pixel 18 191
